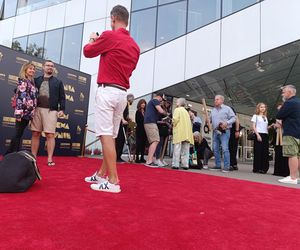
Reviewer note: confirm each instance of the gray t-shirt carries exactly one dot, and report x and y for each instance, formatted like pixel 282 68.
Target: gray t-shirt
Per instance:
pixel 43 98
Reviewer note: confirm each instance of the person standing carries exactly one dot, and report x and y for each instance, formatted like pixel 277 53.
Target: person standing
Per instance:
pixel 182 135
pixel 119 57
pixel 120 140
pixel 261 141
pixel 222 118
pixel 50 105
pixel 234 141
pixel 26 101
pixel 150 123
pixel 289 113
pixel 140 133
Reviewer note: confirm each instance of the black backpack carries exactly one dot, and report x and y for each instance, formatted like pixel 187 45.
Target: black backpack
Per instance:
pixel 18 171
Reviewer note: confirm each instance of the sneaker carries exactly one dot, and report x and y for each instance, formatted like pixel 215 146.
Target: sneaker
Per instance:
pixel 289 180
pixel 151 165
pixel 205 167
pixel 94 179
pixel 173 167
pixel 225 170
pixel 106 187
pixel 215 168
pixel 159 163
pixel 165 164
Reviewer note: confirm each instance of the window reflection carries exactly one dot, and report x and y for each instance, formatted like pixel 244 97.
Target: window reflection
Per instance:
pixel 165 1
pixel 35 45
pixel 202 12
pixel 231 6
pixel 171 22
pixel 71 48
pixel 20 44
pixel 10 7
pixel 142 4
pixel 143 24
pixel 53 44
pixel 25 6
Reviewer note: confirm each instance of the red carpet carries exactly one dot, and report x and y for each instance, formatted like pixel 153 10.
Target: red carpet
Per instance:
pixel 157 209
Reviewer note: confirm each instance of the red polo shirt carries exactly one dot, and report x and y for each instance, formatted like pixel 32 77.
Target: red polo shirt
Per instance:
pixel 119 56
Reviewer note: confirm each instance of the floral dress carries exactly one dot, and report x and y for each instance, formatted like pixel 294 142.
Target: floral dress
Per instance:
pixel 26 100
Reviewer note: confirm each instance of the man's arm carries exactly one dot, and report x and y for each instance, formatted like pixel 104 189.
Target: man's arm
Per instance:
pixel 284 111
pixel 62 97
pixel 98 46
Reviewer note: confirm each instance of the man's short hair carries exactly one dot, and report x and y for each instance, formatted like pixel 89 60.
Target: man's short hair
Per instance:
pixel 47 60
pixel 121 13
pixel 162 95
pixel 291 87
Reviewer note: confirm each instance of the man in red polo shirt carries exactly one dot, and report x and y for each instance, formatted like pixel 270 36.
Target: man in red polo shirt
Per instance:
pixel 119 57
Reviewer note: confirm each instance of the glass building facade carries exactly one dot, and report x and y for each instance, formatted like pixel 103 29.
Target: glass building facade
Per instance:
pixel 156 22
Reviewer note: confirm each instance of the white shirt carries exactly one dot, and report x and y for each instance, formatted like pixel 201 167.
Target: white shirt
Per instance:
pixel 261 123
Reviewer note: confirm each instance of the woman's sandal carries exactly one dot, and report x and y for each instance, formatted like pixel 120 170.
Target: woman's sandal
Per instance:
pixel 51 164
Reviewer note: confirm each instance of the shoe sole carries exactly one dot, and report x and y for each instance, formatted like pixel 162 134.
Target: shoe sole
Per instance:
pixel 215 169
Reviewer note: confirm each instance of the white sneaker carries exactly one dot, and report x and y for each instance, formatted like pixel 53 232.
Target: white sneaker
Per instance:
pixel 288 180
pixel 165 164
pixel 94 178
pixel 106 187
pixel 205 167
pixel 159 163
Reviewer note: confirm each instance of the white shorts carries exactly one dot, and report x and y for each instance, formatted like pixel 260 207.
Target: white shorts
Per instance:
pixel 110 105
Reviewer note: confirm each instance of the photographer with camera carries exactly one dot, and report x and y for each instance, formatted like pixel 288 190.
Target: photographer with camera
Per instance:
pixel 222 117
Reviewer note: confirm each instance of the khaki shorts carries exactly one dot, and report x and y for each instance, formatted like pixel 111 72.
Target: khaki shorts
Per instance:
pixel 152 132
pixel 44 120
pixel 290 146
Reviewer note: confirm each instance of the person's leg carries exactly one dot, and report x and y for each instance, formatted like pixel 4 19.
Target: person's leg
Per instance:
pixel 224 142
pixel 16 140
pixel 50 146
pixel 142 148
pixel 185 151
pixel 294 166
pixel 159 147
pixel 151 152
pixel 216 146
pixel 232 148
pixel 176 155
pixel 257 155
pixel 265 154
pixel 35 142
pixel 206 155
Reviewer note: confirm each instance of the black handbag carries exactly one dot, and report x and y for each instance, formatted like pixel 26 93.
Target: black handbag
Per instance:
pixel 18 171
pixel 251 136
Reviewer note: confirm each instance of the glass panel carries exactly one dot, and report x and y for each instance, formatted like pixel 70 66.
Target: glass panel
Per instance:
pixel 53 43
pixel 231 6
pixel 25 6
pixel 203 12
pixel 71 48
pixel 20 43
pixel 142 4
pixel 35 45
pixel 10 7
pixel 171 22
pixel 142 28
pixel 166 1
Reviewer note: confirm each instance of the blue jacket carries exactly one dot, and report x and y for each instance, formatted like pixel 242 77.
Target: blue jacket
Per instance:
pixel 57 98
pixel 290 116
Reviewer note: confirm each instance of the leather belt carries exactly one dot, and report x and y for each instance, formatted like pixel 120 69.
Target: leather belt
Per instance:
pixel 112 85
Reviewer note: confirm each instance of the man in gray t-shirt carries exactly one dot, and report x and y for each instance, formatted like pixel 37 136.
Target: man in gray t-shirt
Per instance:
pixel 222 117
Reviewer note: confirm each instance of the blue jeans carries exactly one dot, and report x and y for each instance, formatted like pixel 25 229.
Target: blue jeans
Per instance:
pixel 221 140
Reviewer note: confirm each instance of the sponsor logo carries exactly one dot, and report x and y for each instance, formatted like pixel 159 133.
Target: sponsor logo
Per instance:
pixel 70 98
pixel 21 60
pixel 66 145
pixel 69 88
pixel 63 135
pixel 75 146
pixel 81 97
pixel 72 76
pixel 64 117
pixel 12 80
pixel 2 76
pixel 79 112
pixel 82 80
pixel 7 142
pixel 38 65
pixel 8 121
pixel 26 144
pixel 62 125
pixel 78 130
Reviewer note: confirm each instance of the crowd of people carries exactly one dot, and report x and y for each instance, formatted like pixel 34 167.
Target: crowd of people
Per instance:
pixel 41 101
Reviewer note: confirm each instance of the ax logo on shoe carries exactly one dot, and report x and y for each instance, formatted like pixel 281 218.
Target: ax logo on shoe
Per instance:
pixel 104 185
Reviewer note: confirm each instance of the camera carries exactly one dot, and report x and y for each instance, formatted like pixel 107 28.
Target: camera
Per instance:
pixel 220 130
